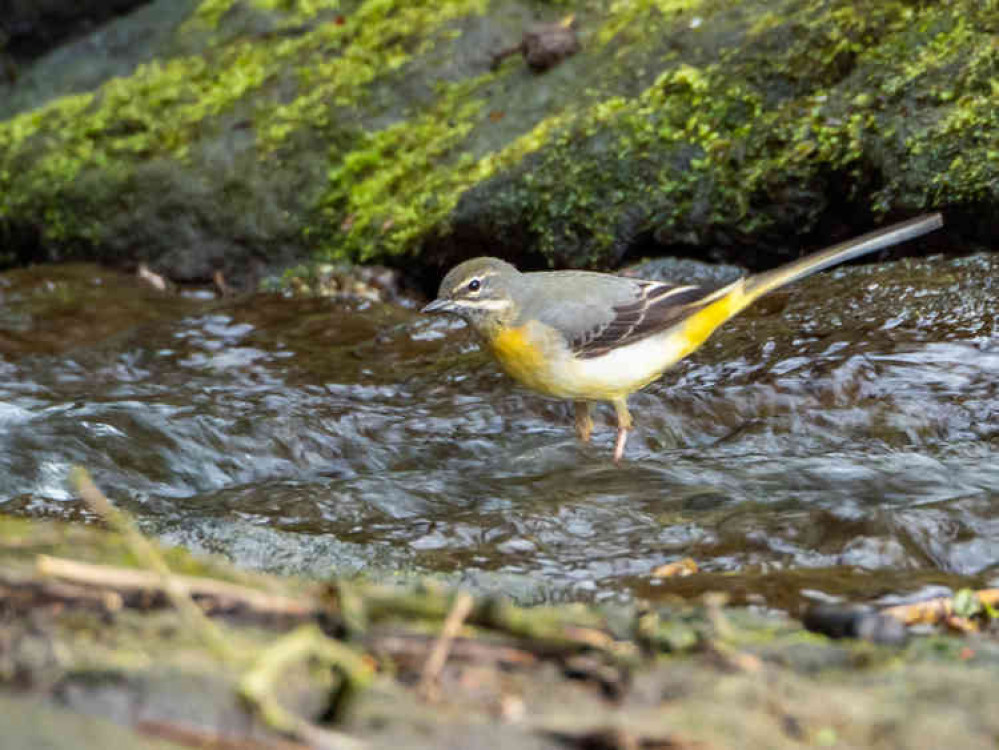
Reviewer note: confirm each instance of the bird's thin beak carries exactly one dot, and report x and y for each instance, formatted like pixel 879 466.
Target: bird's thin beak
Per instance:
pixel 439 306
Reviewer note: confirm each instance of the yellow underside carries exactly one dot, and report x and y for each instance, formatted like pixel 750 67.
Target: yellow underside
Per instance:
pixel 524 354
pixel 523 359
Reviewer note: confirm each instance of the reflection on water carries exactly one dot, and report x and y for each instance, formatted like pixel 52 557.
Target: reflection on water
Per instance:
pixel 848 425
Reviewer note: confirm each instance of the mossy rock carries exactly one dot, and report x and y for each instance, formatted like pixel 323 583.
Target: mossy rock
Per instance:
pixel 273 130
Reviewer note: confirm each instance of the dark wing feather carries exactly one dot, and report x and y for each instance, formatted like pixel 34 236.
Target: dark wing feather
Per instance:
pixel 657 307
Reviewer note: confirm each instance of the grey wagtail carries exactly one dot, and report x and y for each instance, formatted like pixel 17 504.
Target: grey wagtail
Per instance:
pixel 597 337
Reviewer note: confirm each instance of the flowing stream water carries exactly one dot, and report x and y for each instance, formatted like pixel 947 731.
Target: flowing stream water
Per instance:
pixel 838 440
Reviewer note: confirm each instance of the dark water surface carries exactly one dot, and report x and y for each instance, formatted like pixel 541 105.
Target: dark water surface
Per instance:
pixel 838 440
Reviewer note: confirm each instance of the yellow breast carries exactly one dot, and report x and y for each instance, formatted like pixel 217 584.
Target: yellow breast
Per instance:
pixel 525 356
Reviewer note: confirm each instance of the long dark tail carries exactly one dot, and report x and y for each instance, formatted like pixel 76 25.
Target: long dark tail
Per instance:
pixel 760 284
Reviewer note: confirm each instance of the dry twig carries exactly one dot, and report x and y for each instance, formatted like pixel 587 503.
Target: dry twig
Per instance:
pixel 216 595
pixel 26 591
pixel 149 556
pixel 461 609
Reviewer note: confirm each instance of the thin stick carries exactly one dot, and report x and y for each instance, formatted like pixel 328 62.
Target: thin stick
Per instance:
pixel 256 684
pixel 461 609
pixel 148 555
pixel 222 594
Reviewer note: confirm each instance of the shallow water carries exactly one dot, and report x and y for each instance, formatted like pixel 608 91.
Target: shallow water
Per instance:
pixel 838 440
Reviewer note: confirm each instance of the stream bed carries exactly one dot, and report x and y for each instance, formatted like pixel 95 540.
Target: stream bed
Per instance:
pixel 839 440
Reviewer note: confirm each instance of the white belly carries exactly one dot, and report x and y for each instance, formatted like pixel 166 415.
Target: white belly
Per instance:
pixel 624 370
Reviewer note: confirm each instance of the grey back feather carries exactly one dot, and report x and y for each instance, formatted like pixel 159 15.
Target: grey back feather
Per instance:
pixel 620 310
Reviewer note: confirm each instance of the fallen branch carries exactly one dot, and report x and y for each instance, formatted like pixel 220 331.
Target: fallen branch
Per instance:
pixel 209 593
pixel 256 686
pixel 543 631
pixel 27 591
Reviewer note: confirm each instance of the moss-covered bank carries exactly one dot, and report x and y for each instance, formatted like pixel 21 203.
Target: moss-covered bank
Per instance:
pixel 377 131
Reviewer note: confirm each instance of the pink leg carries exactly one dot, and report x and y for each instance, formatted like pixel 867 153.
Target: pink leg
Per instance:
pixel 624 424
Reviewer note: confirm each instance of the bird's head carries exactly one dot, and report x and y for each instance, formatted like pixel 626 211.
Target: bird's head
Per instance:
pixel 481 291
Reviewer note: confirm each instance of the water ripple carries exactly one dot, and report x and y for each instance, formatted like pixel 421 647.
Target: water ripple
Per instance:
pixel 841 431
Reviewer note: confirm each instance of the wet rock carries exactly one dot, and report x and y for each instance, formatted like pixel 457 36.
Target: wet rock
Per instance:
pixel 29 28
pixel 99 48
pixel 855 622
pixel 684 271
pixel 262 135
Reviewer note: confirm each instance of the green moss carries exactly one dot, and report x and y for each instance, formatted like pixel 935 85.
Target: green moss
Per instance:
pixel 157 112
pixel 22 539
pixel 376 40
pixel 630 16
pixel 403 182
pixel 681 128
pixel 210 12
pixel 165 108
pixel 707 145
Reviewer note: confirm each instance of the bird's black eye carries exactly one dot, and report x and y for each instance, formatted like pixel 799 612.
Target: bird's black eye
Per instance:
pixel 474 285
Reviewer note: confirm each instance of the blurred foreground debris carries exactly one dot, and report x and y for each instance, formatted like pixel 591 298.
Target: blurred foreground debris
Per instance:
pixel 182 652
